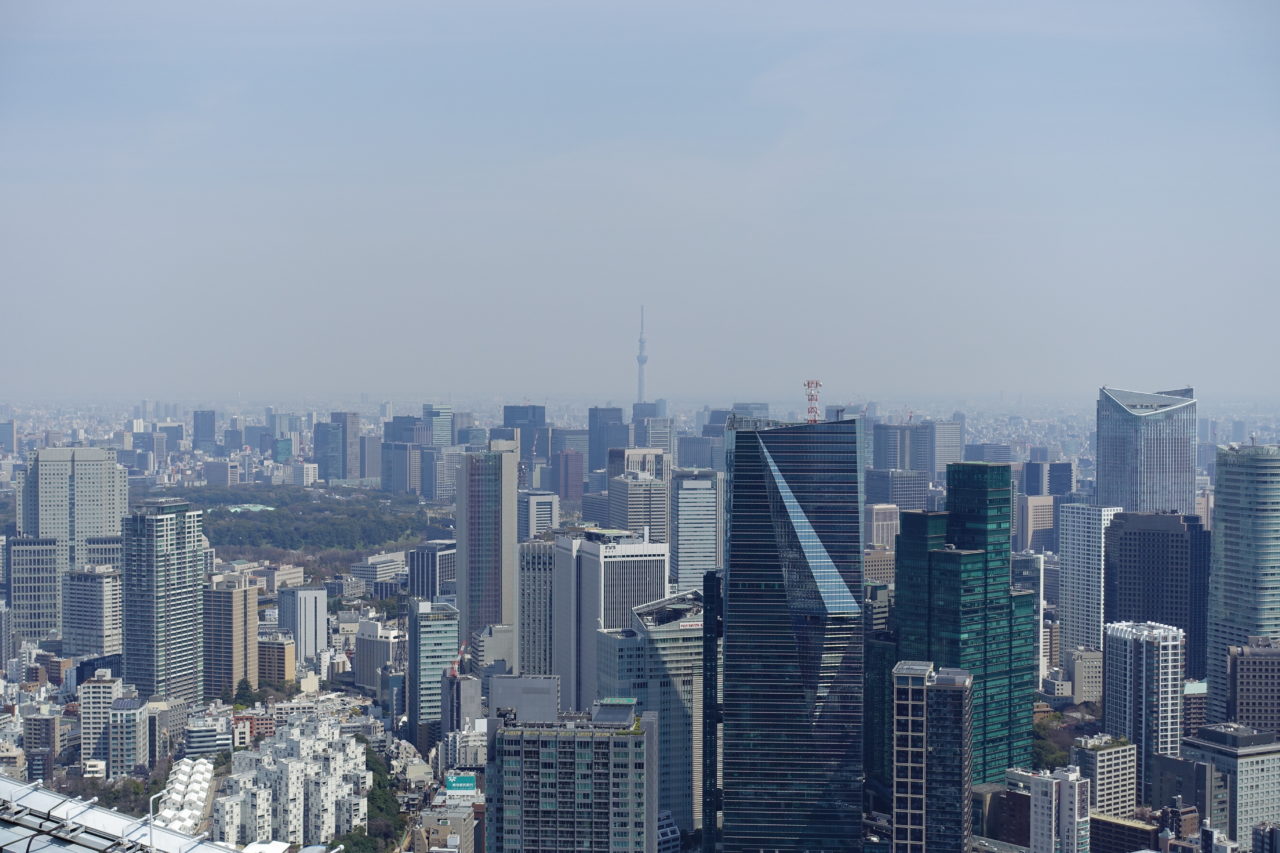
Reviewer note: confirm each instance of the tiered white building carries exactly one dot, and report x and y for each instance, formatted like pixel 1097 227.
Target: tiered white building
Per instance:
pixel 186 794
pixel 306 785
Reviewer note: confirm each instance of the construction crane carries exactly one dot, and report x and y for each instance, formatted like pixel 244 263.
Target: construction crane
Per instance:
pixel 811 387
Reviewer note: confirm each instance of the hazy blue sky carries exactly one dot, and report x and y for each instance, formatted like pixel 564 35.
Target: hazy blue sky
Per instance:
pixel 405 197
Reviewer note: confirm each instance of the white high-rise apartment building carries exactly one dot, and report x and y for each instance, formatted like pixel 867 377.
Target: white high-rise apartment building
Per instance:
pixel 1244 576
pixel 163 577
pixel 130 718
pixel 599 577
pixel 534 617
pixel 1059 808
pixel 70 502
pixel 657 660
pixel 696 519
pixel 1143 672
pixel 96 697
pixel 1081 560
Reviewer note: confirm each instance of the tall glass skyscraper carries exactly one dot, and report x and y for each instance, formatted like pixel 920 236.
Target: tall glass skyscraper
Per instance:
pixel 486 526
pixel 955 607
pixel 793 631
pixel 1146 450
pixel 1244 574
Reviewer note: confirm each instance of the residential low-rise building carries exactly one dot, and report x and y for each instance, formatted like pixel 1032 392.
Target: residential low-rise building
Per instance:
pixel 307 784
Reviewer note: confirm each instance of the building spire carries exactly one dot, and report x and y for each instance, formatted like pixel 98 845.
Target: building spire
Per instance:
pixel 641 359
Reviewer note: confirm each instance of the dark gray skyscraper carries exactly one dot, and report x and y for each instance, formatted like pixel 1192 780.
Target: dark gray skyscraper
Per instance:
pixel 532 423
pixel 486 525
pixel 203 434
pixel 163 608
pixel 1147 450
pixel 1157 570
pixel 605 429
pixel 793 629
pixel 350 423
pixel 326 449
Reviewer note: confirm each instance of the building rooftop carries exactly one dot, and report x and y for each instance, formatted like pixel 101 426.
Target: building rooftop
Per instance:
pixel 914 668
pixel 35 819
pixel 616 712
pixel 1144 403
pixel 1101 742
pixel 1236 737
pixel 686 605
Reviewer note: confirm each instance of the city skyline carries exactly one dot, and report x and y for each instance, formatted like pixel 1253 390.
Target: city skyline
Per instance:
pixel 655 427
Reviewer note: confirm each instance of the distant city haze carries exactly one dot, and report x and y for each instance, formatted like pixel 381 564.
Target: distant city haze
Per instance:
pixel 425 199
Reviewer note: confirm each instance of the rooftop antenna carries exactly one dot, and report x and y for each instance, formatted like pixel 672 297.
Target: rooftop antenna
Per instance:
pixel 811 387
pixel 641 360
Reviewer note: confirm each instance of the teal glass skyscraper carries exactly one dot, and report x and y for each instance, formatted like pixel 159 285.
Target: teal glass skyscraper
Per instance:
pixel 955 606
pixel 793 632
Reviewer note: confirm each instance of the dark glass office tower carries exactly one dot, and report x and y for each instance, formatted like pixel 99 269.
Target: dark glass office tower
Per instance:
pixel 203 436
pixel 956 608
pixel 1157 570
pixel 877 730
pixel 350 423
pixel 327 446
pixel 532 423
pixel 793 632
pixel 605 429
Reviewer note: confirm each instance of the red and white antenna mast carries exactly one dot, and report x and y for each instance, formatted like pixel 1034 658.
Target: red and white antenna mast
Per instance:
pixel 811 387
